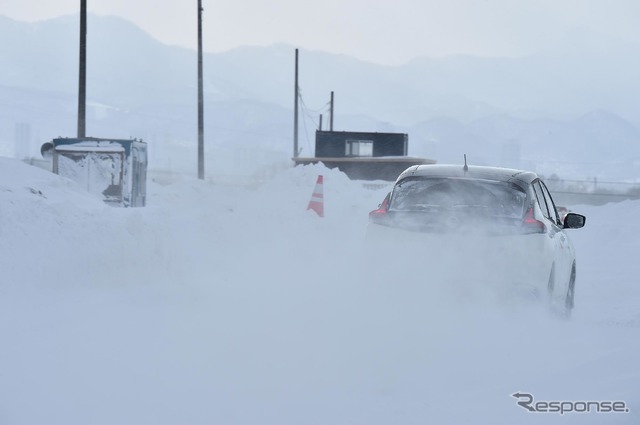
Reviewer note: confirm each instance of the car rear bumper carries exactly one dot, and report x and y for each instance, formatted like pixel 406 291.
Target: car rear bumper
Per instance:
pixel 506 261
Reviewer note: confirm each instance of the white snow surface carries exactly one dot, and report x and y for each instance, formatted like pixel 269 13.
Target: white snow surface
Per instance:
pixel 221 304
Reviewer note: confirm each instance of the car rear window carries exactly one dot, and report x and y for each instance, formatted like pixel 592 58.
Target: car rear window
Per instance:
pixel 438 194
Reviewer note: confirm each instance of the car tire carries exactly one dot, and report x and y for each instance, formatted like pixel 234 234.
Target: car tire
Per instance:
pixel 571 290
pixel 562 309
pixel 551 284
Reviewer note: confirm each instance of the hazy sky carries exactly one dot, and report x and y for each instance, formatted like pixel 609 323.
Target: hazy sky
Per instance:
pixel 389 32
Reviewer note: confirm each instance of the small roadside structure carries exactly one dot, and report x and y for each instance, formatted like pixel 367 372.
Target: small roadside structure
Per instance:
pixel 115 169
pixel 363 155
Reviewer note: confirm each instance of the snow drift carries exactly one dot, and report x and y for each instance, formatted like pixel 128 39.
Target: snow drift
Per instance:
pixel 222 304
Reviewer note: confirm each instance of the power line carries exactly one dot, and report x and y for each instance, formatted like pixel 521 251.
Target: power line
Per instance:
pixel 306 111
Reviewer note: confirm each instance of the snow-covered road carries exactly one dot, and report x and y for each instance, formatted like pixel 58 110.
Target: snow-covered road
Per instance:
pixel 223 305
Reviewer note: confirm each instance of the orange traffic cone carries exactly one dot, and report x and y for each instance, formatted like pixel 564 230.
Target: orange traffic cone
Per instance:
pixel 317 199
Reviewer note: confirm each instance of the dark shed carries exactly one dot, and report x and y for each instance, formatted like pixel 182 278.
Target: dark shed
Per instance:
pixel 364 155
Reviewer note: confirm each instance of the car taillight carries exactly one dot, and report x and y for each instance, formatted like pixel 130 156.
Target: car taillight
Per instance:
pixel 381 212
pixel 531 225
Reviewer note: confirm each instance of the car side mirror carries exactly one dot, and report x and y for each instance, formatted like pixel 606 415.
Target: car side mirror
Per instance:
pixel 574 221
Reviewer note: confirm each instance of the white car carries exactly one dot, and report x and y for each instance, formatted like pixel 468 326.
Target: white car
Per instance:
pixel 479 226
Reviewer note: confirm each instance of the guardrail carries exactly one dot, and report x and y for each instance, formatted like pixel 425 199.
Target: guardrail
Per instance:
pixel 592 192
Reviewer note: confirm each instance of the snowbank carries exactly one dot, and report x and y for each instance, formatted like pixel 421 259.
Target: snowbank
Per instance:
pixel 223 304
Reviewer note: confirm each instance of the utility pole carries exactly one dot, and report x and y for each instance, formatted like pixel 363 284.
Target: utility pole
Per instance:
pixel 331 111
pixel 320 124
pixel 295 111
pixel 200 98
pixel 82 83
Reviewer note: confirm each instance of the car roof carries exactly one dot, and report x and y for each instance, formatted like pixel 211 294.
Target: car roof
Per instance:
pixel 511 175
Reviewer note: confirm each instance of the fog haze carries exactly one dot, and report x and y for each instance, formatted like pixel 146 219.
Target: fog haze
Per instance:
pixel 225 300
pixel 392 33
pixel 563 110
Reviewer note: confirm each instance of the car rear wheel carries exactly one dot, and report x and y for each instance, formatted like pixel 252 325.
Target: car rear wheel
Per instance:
pixel 569 300
pixel 562 308
pixel 551 284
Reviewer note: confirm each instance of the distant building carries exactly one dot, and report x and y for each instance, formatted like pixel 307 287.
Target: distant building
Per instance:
pixel 115 169
pixel 364 155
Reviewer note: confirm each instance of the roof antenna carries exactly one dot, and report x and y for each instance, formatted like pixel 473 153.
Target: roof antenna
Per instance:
pixel 465 168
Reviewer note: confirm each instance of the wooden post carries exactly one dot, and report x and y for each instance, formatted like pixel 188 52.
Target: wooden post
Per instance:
pixel 331 116
pixel 200 98
pixel 82 81
pixel 295 110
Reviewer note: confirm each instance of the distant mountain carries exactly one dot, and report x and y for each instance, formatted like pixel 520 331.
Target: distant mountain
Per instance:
pixel 577 102
pixel 596 144
pixel 583 72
